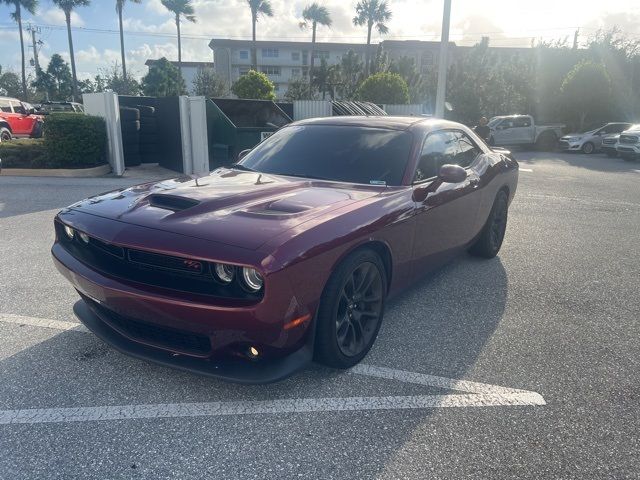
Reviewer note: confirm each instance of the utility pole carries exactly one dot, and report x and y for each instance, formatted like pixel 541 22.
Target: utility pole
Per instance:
pixel 443 63
pixel 34 30
pixel 575 39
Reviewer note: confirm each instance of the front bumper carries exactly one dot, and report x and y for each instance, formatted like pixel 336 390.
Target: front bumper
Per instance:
pixel 229 370
pixel 186 331
pixel 566 145
pixel 629 150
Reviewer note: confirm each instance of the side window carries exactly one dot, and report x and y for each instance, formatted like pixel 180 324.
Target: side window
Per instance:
pixel 467 150
pixel 506 123
pixel 439 148
pixel 619 128
pixel 5 106
pixel 18 108
pixel 522 122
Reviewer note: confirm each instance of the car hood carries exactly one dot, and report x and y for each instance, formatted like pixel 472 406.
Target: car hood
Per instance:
pixel 233 207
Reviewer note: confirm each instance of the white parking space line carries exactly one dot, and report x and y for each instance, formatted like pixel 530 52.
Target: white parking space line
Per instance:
pixel 302 405
pixel 525 170
pixel 476 395
pixel 41 322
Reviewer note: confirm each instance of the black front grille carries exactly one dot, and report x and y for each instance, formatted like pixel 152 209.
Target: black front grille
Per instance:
pixel 609 141
pixel 165 337
pixel 563 144
pixel 149 268
pixel 629 139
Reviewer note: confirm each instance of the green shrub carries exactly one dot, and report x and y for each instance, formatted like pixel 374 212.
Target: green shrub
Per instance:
pixel 74 140
pixel 24 153
pixel 389 88
pixel 255 85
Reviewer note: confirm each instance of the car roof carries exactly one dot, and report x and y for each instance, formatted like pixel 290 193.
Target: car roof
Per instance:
pixel 387 122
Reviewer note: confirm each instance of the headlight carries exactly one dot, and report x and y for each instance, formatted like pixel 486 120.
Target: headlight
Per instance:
pixel 251 279
pixel 224 272
pixel 84 237
pixel 69 231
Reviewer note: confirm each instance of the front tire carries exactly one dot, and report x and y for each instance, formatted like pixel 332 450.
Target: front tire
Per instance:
pixel 588 148
pixel 5 134
pixel 351 310
pixel 490 240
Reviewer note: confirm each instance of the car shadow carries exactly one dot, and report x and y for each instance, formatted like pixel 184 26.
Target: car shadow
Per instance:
pixel 440 326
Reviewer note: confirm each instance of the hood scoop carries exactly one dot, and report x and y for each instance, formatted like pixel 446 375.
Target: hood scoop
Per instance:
pixel 171 202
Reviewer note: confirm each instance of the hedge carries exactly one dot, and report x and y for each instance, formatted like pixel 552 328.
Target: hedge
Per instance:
pixel 24 153
pixel 75 140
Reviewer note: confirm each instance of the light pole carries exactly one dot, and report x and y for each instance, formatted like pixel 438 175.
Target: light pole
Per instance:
pixel 443 62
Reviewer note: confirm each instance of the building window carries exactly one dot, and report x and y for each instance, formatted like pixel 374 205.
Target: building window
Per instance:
pixel 244 54
pixel 295 56
pixel 295 72
pixel 270 53
pixel 427 58
pixel 321 55
pixel 273 71
pixel 243 70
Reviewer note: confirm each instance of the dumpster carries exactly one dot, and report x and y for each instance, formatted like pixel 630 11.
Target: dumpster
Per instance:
pixel 234 125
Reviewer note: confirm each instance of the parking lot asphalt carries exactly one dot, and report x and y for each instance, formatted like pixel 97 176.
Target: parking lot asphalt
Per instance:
pixel 556 314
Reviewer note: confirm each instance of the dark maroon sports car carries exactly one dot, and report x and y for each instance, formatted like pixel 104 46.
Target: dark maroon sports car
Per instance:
pixel 252 271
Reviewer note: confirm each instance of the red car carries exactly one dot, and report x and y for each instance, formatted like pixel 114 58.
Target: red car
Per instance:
pixel 253 271
pixel 17 119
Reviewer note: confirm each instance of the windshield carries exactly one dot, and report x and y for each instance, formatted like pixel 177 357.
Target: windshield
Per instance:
pixel 331 152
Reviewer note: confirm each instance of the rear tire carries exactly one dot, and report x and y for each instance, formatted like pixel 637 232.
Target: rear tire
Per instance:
pixel 490 240
pixel 351 310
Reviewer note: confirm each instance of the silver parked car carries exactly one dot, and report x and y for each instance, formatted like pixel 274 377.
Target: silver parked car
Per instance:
pixel 589 142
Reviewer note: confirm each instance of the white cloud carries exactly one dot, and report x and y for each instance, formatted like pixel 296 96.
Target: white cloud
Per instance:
pixel 55 16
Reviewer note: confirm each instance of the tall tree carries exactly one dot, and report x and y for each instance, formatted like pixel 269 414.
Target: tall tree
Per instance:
pixel 314 15
pixel 119 9
pixel 67 6
pixel 372 13
pixel 163 80
pixel 56 80
pixel 180 8
pixel 29 6
pixel 258 8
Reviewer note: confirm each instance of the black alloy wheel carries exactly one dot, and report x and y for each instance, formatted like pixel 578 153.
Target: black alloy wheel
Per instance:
pixel 351 310
pixel 490 239
pixel 359 309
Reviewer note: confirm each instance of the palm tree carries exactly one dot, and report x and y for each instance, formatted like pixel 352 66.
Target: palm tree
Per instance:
pixel 67 6
pixel 30 6
pixel 315 15
pixel 370 13
pixel 258 7
pixel 180 8
pixel 119 8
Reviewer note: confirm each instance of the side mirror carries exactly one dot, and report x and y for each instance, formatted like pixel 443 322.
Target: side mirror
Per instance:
pixel 452 174
pixel 243 153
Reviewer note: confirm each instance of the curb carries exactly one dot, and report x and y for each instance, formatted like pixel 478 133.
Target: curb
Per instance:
pixel 57 172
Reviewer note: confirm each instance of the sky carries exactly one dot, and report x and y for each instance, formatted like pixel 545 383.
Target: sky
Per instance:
pixel 150 31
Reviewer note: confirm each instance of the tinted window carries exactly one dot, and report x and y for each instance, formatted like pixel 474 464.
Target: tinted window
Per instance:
pixel 438 149
pixel 18 108
pixel 467 150
pixel 5 106
pixel 342 153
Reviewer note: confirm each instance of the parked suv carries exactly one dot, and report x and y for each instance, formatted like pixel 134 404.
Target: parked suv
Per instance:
pixel 628 146
pixel 50 107
pixel 589 142
pixel 17 119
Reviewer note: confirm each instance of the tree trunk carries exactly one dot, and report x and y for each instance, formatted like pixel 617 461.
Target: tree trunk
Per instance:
pixel 254 53
pixel 74 94
pixel 24 71
pixel 311 62
pixel 368 53
pixel 124 60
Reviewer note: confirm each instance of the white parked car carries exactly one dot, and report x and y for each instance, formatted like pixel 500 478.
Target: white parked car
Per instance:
pixel 522 130
pixel 628 146
pixel 591 141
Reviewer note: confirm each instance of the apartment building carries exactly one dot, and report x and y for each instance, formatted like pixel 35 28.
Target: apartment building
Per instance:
pixel 282 62
pixel 189 70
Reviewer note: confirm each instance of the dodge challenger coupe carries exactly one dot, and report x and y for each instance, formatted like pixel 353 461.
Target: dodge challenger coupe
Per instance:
pixel 251 272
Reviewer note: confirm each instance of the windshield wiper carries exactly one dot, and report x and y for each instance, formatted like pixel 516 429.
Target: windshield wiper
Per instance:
pixel 310 177
pixel 244 168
